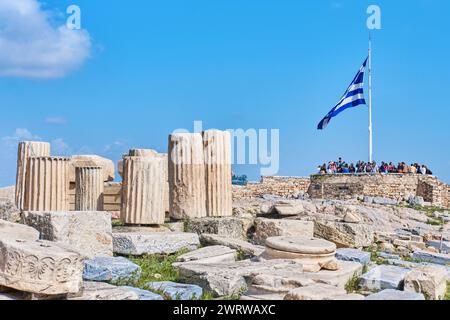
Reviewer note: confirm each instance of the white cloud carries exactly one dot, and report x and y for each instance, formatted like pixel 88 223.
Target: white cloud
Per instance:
pixel 31 47
pixel 56 120
pixel 20 134
pixel 115 147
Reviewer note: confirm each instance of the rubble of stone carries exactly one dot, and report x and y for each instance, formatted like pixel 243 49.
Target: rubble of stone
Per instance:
pixel 227 244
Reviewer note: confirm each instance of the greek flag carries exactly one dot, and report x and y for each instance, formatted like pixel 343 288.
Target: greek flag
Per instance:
pixel 354 96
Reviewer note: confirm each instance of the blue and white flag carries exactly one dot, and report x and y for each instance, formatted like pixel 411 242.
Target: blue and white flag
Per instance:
pixel 354 96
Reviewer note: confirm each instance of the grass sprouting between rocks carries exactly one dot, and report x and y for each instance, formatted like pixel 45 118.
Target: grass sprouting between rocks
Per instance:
pixel 156 268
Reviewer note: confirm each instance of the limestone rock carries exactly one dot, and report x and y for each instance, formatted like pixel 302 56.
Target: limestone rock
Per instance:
pixel 16 231
pixel 87 231
pixel 143 190
pixel 231 227
pixel 40 267
pixel 177 291
pixel 437 244
pixel 383 277
pixel 416 201
pixel 47 184
pixel 229 279
pixel 27 149
pixel 428 280
pixel 347 254
pixel 348 297
pixel 108 169
pixel 89 187
pixel 8 194
pixel 110 269
pixel 239 245
pixel 352 217
pixel 212 254
pixel 301 245
pixel 217 155
pixel 266 228
pixel 9 211
pixel 187 176
pixel 294 207
pixel 140 243
pixel 344 234
pixel 143 294
pixel 437 258
pixel 380 200
pixel 315 292
pixel 391 294
pixel 103 291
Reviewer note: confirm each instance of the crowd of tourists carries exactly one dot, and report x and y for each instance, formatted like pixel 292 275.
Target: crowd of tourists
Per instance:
pixel 340 166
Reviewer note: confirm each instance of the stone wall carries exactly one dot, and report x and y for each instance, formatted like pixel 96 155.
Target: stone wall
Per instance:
pixel 288 187
pixel 394 186
pixel 346 186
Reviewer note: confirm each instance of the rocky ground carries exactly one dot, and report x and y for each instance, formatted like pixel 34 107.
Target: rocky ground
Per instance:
pixel 385 250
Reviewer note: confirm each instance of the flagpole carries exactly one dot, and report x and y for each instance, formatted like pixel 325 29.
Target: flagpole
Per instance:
pixel 370 99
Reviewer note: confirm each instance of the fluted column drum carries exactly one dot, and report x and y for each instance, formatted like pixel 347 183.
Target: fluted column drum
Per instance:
pixel 217 153
pixel 25 150
pixel 142 191
pixel 47 184
pixel 89 188
pixel 187 192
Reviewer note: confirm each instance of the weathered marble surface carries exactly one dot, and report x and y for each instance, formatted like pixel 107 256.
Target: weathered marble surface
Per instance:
pixel 140 243
pixel 87 231
pixel 110 269
pixel 211 254
pixel 40 267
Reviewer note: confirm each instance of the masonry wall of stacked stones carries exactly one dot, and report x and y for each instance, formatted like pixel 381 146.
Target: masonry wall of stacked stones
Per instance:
pixel 283 238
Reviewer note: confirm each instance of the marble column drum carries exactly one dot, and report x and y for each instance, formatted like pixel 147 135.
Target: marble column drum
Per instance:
pixel 217 153
pixel 142 191
pixel 25 150
pixel 47 184
pixel 89 188
pixel 187 191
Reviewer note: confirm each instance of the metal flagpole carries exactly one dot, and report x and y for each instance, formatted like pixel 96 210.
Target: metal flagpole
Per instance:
pixel 370 98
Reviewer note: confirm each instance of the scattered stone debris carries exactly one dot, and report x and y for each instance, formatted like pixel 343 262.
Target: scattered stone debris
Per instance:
pixel 109 269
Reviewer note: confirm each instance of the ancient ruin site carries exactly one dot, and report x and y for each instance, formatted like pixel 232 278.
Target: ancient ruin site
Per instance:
pixel 171 226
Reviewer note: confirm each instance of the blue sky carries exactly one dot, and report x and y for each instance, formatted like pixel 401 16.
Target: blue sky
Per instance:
pixel 155 66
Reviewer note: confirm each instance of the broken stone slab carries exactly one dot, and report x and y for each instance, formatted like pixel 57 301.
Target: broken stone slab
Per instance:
pixel 267 228
pixel 302 245
pixel 17 231
pixel 436 258
pixel 177 291
pixel 416 201
pixel 229 279
pixel 348 297
pixel 40 267
pixel 431 281
pixel 262 297
pixel 110 269
pixel 103 291
pixel 9 211
pixel 344 234
pixel 294 207
pixel 412 265
pixel 230 227
pixel 140 243
pixel 389 256
pixel 144 294
pixel 316 291
pixel 444 245
pixel 380 200
pixel 239 245
pixel 391 294
pixel 279 282
pixel 383 277
pixel 212 254
pixel 339 278
pixel 348 254
pixel 87 231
